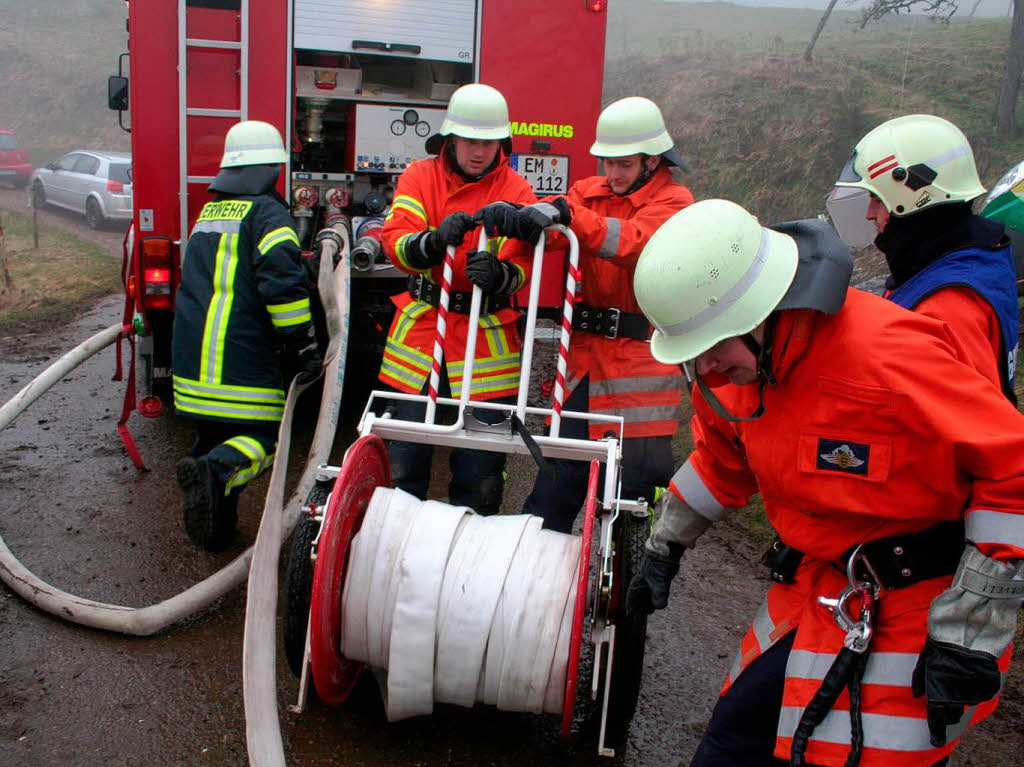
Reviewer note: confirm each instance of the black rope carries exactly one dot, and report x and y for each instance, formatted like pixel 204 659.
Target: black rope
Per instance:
pixel 846 671
pixel 856 720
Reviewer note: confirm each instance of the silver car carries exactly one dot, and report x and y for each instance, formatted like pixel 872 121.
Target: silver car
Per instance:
pixel 96 184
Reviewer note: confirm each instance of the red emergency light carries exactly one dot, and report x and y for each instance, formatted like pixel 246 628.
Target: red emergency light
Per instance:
pixel 158 277
pixel 594 5
pixel 156 273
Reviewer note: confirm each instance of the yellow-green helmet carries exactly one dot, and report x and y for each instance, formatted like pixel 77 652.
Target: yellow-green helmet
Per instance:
pixel 914 162
pixel 634 125
pixel 474 111
pixel 710 272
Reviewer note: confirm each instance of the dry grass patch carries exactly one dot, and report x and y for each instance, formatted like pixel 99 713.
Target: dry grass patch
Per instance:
pixel 61 275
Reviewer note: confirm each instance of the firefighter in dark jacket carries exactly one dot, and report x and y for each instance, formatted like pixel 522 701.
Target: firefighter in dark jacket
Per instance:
pixel 243 297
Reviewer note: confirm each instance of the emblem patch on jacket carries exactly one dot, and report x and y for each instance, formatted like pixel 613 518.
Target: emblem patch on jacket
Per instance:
pixel 840 455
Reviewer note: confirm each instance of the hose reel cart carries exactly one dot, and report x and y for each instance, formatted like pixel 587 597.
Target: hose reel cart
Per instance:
pixel 449 606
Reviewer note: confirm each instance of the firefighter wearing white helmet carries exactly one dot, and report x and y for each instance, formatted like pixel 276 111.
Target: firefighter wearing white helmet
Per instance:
pixel 909 185
pixel 609 368
pixel 433 210
pixel 243 294
pixel 849 416
pixel 253 142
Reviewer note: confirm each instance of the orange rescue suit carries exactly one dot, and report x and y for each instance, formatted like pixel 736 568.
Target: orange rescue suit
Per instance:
pixel 973 321
pixel 927 438
pixel 625 380
pixel 427 192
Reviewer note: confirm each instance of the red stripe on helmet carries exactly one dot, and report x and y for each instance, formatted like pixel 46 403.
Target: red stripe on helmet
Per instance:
pixel 880 162
pixel 880 171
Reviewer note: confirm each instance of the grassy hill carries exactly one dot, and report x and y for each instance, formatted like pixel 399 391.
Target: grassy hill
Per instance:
pixel 760 126
pixel 55 57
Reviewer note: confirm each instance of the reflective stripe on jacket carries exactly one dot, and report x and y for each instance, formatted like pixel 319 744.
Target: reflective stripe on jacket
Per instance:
pixel 243 289
pixel 878 426
pixel 625 380
pixel 427 192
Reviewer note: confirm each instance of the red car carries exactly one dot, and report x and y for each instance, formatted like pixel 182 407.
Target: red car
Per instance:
pixel 14 166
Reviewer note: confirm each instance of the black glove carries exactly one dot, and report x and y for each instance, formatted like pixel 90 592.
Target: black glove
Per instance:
pixel 648 591
pixel 492 274
pixel 309 362
pixel 952 677
pixel 533 219
pixel 498 218
pixel 451 231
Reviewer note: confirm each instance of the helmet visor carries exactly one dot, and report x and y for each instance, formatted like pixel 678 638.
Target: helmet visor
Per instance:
pixel 848 209
pixel 849 174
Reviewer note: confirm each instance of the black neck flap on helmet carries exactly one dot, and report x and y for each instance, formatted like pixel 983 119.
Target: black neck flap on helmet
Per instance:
pixel 823 271
pixel 246 179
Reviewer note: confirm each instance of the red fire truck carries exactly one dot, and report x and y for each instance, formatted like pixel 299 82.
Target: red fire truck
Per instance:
pixel 355 87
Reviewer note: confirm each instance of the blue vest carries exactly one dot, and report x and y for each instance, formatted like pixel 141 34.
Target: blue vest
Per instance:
pixel 990 272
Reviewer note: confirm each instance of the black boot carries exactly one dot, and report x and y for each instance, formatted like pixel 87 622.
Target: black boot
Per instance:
pixel 209 517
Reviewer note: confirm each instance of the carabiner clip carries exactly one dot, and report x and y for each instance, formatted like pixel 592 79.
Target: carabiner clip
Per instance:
pixel 860 631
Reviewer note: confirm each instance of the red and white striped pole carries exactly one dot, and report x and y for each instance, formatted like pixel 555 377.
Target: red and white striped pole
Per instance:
pixel 572 278
pixel 442 328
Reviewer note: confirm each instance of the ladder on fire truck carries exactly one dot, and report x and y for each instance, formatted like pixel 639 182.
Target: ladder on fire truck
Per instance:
pixel 185 111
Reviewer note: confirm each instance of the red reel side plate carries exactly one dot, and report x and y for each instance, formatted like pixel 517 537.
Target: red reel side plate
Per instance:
pixel 365 469
pixel 576 638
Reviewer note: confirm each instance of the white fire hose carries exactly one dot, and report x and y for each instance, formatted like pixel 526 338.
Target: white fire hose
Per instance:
pixel 333 285
pixel 259 686
pixel 479 610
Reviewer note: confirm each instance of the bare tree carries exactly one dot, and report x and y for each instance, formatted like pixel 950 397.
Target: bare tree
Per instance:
pixel 943 10
pixel 1006 103
pixel 938 10
pixel 821 26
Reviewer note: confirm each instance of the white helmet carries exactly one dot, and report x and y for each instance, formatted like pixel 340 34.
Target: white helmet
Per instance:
pixel 709 273
pixel 909 163
pixel 253 142
pixel 474 111
pixel 634 125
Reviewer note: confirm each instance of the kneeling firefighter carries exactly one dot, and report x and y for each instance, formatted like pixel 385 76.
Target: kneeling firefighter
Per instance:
pixel 890 469
pixel 243 295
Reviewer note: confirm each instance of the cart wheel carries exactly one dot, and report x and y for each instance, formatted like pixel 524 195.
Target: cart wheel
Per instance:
pixel 572 671
pixel 298 580
pixel 364 470
pixel 630 631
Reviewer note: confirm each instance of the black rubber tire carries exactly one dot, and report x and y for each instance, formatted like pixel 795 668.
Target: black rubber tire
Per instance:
pixel 630 634
pixel 38 196
pixel 298 581
pixel 93 214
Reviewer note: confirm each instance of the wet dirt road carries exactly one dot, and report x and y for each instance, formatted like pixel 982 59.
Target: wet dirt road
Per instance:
pixel 76 512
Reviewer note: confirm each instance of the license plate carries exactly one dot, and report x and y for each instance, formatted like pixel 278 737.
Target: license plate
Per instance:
pixel 6 171
pixel 547 173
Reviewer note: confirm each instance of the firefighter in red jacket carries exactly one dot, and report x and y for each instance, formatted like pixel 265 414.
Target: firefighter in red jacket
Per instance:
pixel 610 369
pixel 914 177
pixel 433 209
pixel 888 464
